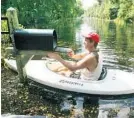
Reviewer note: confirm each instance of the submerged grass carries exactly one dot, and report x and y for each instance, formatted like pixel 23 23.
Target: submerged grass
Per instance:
pixel 17 98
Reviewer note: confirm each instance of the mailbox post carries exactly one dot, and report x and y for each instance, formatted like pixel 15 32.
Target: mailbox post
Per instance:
pixel 13 25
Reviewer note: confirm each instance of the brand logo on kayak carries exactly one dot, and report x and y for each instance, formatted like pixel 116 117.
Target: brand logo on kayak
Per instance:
pixel 70 82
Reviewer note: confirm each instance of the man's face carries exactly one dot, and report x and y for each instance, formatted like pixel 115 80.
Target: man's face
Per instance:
pixel 88 43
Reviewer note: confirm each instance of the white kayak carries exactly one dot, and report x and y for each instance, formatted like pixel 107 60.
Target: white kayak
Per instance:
pixel 114 82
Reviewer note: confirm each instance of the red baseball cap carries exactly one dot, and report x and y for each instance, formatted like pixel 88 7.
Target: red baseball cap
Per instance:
pixel 94 36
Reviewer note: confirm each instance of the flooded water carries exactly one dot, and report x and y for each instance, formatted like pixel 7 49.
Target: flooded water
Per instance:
pixel 117 47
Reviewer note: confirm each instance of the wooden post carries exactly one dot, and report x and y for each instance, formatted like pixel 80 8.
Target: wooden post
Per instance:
pixel 14 24
pixel 13 19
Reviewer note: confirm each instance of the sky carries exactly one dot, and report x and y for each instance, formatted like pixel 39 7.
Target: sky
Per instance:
pixel 88 3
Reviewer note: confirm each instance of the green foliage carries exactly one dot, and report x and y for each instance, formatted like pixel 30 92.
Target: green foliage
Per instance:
pixel 32 12
pixel 126 10
pixel 4 39
pixel 100 11
pixel 123 10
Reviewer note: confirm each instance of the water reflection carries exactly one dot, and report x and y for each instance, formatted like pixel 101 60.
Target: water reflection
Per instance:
pixel 81 107
pixel 88 107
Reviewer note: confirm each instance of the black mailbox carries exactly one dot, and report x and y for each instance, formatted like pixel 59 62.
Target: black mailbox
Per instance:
pixel 35 39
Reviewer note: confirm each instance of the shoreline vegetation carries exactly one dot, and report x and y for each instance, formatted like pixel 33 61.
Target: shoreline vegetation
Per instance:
pixel 42 12
pixel 119 11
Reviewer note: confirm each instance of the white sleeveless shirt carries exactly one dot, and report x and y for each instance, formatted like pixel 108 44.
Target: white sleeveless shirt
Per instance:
pixel 94 75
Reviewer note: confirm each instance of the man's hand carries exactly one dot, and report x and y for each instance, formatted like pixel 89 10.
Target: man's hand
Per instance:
pixel 70 53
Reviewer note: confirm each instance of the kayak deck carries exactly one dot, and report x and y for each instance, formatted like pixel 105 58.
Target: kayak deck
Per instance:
pixel 116 82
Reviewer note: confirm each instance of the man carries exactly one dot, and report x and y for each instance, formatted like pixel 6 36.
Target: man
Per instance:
pixel 89 63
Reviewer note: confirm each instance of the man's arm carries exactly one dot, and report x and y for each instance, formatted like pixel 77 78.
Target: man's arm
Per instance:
pixel 76 56
pixel 83 63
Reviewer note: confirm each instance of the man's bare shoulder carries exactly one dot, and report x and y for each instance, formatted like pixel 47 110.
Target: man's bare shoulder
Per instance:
pixel 89 58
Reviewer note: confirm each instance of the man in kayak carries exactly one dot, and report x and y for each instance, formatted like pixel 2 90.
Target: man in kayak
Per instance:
pixel 89 63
